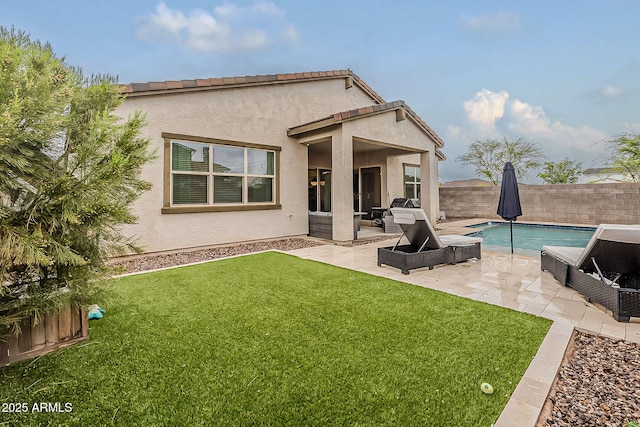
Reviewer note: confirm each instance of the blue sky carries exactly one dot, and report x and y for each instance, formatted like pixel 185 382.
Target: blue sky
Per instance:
pixel 563 74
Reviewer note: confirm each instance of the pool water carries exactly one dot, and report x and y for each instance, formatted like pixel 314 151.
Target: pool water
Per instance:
pixel 528 239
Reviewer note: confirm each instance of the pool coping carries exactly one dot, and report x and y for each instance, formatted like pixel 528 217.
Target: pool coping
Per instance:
pixel 477 229
pixel 464 227
pixel 538 225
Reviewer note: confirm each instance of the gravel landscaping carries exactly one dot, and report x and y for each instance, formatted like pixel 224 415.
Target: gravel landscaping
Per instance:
pixel 140 263
pixel 597 385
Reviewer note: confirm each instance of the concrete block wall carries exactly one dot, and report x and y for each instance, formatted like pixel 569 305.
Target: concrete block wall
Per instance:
pixel 592 204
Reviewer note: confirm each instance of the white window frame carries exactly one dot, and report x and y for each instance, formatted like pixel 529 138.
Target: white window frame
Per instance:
pixel 415 183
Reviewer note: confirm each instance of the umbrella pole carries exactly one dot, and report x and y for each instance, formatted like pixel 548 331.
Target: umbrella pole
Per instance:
pixel 511 229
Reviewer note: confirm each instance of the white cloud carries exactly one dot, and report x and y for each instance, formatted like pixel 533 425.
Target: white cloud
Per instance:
pixel 290 33
pixel 454 131
pixel 500 23
pixel 610 91
pixel 228 28
pixel 494 115
pixel 486 108
pixel 533 123
pixel 230 10
pixel 528 119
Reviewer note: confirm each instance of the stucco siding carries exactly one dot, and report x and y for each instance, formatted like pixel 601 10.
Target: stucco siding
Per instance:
pixel 386 129
pixel 257 115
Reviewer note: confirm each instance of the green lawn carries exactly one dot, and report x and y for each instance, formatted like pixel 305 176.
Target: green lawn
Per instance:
pixel 270 339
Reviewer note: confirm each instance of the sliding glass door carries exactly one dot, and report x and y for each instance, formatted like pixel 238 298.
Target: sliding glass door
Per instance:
pixel 319 184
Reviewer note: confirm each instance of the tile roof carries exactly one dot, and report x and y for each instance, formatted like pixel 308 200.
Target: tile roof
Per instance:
pixel 153 88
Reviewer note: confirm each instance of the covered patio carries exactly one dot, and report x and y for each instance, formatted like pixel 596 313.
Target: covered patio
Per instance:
pixel 356 162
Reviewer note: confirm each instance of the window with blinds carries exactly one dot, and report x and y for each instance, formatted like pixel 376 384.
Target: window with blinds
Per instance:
pixel 216 174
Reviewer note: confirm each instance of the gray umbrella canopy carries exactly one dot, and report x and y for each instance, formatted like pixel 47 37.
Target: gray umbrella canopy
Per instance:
pixel 509 204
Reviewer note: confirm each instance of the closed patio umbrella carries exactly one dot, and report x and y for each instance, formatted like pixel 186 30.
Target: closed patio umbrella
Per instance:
pixel 509 204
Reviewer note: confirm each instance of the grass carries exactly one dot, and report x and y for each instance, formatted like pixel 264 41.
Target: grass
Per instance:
pixel 270 339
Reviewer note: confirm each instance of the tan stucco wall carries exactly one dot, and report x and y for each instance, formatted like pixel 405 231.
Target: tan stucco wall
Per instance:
pixel 390 136
pixel 257 115
pixel 405 134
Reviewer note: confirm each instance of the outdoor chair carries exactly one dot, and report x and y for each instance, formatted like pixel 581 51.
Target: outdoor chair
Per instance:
pixel 606 271
pixel 425 248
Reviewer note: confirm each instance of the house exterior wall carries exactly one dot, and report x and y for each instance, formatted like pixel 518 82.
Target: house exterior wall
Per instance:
pixel 591 204
pixel 388 130
pixel 257 115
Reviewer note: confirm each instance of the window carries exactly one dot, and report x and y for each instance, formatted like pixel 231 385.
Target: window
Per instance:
pixel 218 175
pixel 411 182
pixel 190 167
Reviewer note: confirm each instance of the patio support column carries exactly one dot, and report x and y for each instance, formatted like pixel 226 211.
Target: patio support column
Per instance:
pixel 429 185
pixel 342 186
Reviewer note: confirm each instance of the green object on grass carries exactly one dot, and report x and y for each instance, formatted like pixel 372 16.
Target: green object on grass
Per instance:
pixel 95 312
pixel 271 339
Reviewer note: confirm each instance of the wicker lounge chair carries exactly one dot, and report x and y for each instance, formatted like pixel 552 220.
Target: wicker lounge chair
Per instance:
pixel 425 248
pixel 606 271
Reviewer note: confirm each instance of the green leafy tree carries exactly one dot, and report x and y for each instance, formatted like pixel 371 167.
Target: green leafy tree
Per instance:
pixel 563 172
pixel 489 157
pixel 69 173
pixel 625 155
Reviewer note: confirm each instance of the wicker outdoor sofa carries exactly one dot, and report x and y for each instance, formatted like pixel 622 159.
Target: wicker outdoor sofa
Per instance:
pixel 606 271
pixel 425 248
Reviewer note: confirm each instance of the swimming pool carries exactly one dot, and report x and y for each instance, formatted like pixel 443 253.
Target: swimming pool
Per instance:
pixel 528 239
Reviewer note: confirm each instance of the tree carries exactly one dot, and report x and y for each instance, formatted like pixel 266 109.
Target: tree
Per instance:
pixel 563 172
pixel 625 154
pixel 69 173
pixel 489 157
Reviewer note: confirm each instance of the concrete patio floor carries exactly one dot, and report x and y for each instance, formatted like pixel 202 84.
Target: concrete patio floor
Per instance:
pixel 512 281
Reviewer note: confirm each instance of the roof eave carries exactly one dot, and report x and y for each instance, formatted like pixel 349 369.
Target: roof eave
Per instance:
pixel 181 86
pixel 299 131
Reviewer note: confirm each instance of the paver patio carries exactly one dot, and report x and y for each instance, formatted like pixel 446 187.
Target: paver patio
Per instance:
pixel 512 281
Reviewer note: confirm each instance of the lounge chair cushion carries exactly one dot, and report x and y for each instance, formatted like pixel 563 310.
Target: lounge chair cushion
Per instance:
pixel 455 239
pixel 417 227
pixel 615 247
pixel 567 254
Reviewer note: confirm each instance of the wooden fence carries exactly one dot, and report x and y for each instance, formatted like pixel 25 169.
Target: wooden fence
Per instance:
pixel 52 332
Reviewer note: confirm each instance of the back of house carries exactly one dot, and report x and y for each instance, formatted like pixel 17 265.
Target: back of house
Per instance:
pixel 260 157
